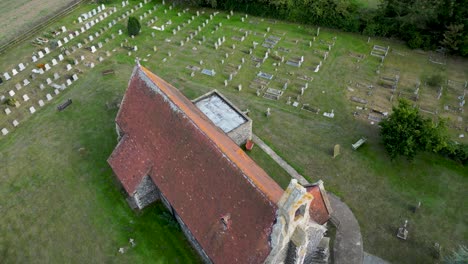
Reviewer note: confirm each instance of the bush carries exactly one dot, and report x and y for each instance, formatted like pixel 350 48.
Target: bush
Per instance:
pixel 10 101
pixel 456 152
pixel 416 41
pixel 133 26
pixel 435 80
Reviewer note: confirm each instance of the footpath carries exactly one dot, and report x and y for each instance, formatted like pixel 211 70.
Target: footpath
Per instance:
pixel 348 248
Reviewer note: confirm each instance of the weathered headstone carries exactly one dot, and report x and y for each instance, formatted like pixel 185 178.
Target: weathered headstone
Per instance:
pixel 336 151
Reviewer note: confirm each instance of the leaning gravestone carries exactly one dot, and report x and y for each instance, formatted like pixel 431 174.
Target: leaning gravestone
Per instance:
pixel 336 151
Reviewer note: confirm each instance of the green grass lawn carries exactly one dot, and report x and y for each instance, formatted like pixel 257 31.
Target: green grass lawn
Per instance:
pixel 62 204
pixel 59 204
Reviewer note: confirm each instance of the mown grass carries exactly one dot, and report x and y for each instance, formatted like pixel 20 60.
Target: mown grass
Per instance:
pixel 61 205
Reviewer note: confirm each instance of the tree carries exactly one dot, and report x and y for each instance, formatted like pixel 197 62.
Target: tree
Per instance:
pixel 405 132
pixel 458 257
pixel 133 26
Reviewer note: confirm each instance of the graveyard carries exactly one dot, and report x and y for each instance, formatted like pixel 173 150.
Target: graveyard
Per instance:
pixel 306 89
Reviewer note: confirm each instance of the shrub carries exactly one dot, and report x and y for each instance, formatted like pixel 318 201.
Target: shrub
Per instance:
pixel 133 26
pixel 435 80
pixel 10 101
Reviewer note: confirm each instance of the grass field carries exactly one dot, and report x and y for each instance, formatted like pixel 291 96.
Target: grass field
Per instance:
pixel 20 15
pixel 62 204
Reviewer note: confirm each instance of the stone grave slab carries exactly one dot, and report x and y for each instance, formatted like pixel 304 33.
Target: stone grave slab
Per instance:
pixel 25 97
pixel 32 110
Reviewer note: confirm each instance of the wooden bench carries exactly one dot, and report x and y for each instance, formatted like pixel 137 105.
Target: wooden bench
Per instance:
pixel 64 105
pixel 107 72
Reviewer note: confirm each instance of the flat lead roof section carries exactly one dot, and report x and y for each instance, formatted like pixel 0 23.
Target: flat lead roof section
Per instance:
pixel 220 113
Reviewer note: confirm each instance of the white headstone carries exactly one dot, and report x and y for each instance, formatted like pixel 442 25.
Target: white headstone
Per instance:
pixel 65 40
pixel 47 67
pixel 25 97
pixel 59 43
pixel 54 62
pixel 74 77
pixel 14 72
pixel 69 67
pixel 49 97
pixel 69 82
pixel 99 45
pixel 48 81
pixel 34 58
pixel 18 86
pixel 4 131
pixel 32 110
pixel 60 57
pixel 93 49
pixel 25 82
pixel 46 49
pixel 7 111
pixel 21 67
pixel 41 103
pixel 64 29
pixel 91 38
pixel 56 91
pixel 11 93
pixel 56 76
pixel 41 86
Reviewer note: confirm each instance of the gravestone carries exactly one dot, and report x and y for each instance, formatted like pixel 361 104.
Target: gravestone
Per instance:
pixel 32 110
pixel 60 57
pixel 402 232
pixel 68 82
pixel 100 45
pixel 48 81
pixel 336 151
pixel 26 82
pixel 93 49
pixel 34 58
pixel 268 113
pixel 54 62
pixel 18 86
pixel 41 86
pixel 11 93
pixel 25 97
pixel 14 72
pixel 21 67
pixel 65 40
pixel 15 123
pixel 7 111
pixel 47 67
pixel 56 76
pixel 49 97
pixel 41 103
pixel 4 131
pixel 69 67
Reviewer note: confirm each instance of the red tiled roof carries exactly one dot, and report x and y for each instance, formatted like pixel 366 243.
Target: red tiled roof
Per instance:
pixel 201 171
pixel 319 208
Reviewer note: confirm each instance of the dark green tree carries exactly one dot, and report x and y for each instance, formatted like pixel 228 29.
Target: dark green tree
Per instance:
pixel 405 132
pixel 133 26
